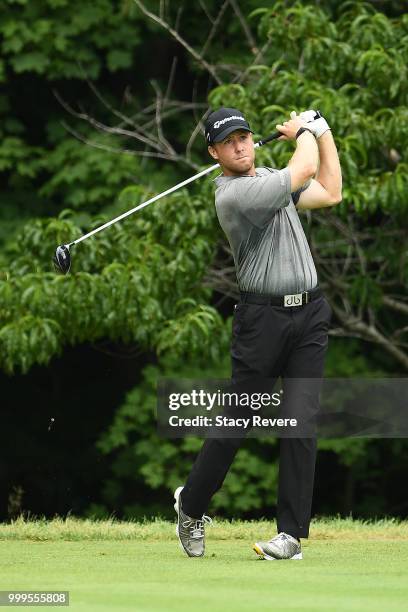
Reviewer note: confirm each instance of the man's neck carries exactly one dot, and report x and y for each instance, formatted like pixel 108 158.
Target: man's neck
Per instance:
pixel 250 172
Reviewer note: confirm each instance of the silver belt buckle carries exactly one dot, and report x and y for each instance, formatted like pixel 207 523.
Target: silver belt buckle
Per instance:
pixel 295 299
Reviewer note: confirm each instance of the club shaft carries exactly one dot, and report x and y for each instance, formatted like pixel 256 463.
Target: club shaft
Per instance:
pixel 164 193
pixel 154 199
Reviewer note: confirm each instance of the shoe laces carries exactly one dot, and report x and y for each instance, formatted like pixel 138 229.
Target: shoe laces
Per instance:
pixel 281 536
pixel 196 526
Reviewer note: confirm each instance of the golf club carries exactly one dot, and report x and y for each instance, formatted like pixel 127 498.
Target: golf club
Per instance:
pixel 62 257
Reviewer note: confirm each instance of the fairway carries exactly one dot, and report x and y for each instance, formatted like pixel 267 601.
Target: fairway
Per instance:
pixel 346 566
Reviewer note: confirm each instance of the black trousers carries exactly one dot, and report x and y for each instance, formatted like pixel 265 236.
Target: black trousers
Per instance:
pixel 268 342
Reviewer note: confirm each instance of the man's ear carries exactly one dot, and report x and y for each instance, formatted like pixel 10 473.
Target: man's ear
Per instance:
pixel 212 152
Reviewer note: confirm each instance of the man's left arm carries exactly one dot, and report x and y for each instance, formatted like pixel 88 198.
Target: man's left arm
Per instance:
pixel 325 189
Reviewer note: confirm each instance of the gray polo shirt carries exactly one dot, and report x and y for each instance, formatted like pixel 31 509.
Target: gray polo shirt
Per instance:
pixel 260 220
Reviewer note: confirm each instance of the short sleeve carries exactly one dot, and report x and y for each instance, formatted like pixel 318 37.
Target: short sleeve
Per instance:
pixel 296 194
pixel 259 197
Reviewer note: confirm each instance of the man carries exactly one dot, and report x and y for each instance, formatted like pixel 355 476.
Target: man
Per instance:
pixel 271 337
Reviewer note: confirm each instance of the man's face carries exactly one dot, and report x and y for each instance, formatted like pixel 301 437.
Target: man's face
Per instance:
pixel 236 153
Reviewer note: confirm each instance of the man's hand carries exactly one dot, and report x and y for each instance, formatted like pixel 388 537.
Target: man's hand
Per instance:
pixel 290 128
pixel 318 126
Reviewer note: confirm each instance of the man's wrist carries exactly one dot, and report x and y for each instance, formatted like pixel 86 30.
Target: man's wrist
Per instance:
pixel 327 135
pixel 301 130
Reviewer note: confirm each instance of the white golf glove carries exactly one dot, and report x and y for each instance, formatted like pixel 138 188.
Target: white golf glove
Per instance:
pixel 315 122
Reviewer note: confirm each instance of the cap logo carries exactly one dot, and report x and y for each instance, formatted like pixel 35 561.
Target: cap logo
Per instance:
pixel 222 121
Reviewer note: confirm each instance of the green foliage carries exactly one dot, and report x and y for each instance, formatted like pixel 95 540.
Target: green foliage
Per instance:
pixel 193 329
pixel 251 483
pixel 363 140
pixel 131 285
pixel 361 46
pixel 132 436
pixel 142 282
pixel 328 71
pixel 84 176
pixel 67 38
pixel 25 162
pixel 19 339
pixel 351 65
pixel 345 360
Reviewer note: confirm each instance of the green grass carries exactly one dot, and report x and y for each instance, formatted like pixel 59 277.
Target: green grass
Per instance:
pixel 112 565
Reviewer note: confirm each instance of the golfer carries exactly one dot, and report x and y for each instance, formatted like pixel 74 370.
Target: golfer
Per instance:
pixel 280 325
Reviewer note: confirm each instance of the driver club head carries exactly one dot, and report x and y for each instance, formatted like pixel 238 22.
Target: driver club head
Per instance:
pixel 62 259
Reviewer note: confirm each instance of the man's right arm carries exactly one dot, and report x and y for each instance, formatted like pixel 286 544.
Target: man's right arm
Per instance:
pixel 303 163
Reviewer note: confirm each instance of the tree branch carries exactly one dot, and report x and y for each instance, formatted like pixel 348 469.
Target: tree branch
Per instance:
pixel 104 128
pixel 245 27
pixel 206 11
pixel 395 304
pixel 159 105
pixel 179 39
pixel 104 147
pixel 368 332
pixel 215 25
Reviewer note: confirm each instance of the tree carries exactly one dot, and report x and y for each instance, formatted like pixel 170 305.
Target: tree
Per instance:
pixel 160 281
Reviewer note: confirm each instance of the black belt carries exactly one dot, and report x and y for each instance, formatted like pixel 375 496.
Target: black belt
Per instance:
pixel 287 301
